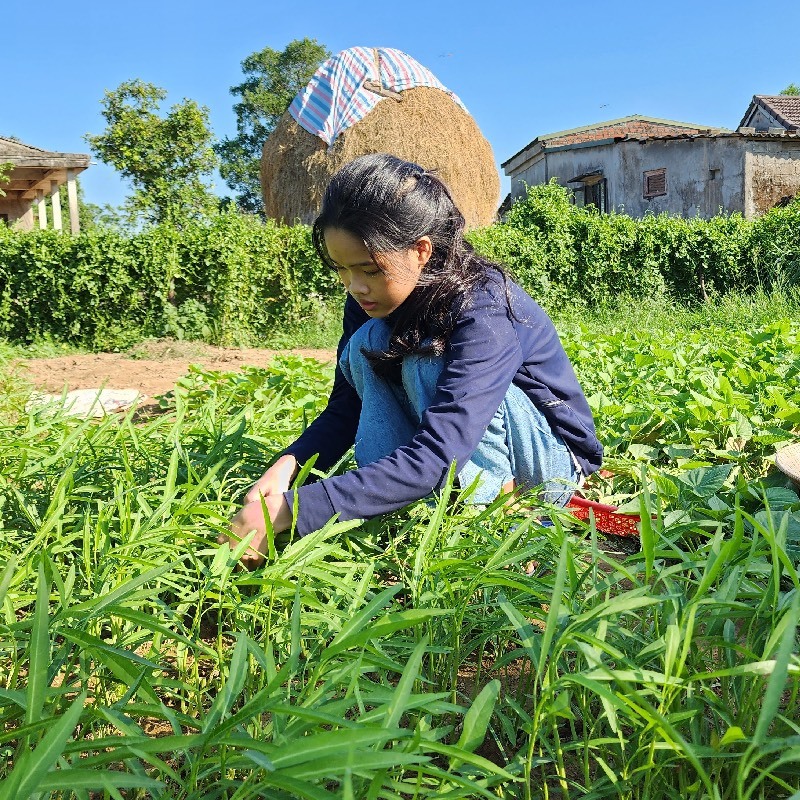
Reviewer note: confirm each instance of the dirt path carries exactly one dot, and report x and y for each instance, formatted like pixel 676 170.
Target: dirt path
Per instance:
pixel 152 368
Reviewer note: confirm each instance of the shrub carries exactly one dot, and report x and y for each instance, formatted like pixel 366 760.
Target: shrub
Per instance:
pixel 563 252
pixel 227 280
pixel 233 279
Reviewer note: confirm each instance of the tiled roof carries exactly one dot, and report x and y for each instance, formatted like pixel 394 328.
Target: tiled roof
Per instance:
pixel 785 108
pixel 17 148
pixel 740 134
pixel 634 125
pixel 19 153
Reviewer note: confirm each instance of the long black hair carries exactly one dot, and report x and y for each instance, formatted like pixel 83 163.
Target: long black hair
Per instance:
pixel 390 204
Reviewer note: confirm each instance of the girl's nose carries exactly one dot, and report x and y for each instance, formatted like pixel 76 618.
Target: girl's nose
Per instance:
pixel 356 286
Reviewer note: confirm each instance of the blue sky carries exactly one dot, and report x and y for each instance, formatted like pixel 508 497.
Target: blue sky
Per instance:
pixel 521 68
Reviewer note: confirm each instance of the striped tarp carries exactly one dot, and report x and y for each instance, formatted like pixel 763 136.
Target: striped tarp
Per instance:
pixel 336 98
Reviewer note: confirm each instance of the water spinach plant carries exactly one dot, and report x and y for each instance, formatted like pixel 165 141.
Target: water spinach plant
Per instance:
pixel 442 651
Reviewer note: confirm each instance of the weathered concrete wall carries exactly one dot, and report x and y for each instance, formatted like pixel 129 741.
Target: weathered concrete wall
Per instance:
pixel 18 212
pixel 533 175
pixel 762 121
pixel 772 171
pixel 704 175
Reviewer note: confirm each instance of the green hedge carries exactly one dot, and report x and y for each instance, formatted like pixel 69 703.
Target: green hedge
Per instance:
pixel 229 281
pixel 562 252
pixel 233 279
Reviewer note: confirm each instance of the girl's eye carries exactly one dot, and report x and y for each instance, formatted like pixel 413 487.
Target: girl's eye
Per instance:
pixel 372 273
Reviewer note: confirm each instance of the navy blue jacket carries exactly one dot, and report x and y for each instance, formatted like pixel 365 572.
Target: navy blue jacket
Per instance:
pixel 489 349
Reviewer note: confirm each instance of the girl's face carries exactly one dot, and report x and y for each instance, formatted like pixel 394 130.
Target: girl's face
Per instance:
pixel 380 286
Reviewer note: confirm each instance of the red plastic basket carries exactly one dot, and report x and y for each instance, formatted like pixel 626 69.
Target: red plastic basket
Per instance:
pixel 606 518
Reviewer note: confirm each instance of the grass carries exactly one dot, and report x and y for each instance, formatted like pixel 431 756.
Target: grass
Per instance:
pixel 414 655
pixel 733 311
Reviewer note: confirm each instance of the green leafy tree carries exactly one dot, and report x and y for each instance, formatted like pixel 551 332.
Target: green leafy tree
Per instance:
pixel 5 169
pixel 168 159
pixel 792 89
pixel 272 79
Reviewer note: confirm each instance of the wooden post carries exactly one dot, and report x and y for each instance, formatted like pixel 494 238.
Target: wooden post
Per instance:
pixel 72 195
pixel 55 199
pixel 41 208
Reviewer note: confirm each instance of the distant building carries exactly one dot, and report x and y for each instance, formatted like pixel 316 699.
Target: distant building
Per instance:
pixel 643 164
pixel 778 113
pixel 36 174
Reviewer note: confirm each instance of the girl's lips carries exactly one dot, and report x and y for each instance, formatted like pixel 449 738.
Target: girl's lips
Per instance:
pixel 367 305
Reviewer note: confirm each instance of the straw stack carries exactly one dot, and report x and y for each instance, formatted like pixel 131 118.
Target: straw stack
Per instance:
pixel 426 127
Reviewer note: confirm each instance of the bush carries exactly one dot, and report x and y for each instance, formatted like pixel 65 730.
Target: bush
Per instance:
pixel 100 289
pixel 229 280
pixel 233 279
pixel 562 252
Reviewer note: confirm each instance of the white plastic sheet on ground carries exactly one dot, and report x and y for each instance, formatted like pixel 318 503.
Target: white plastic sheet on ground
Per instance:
pixel 86 402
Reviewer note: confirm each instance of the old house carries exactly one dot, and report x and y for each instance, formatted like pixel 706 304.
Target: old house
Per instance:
pixel 643 164
pixel 35 175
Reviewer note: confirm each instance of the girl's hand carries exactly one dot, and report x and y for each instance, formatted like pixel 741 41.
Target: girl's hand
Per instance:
pixel 251 518
pixel 275 481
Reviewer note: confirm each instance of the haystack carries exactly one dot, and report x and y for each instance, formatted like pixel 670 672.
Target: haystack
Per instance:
pixel 425 126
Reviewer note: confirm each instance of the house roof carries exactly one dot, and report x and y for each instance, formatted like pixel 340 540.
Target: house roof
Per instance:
pixel 745 133
pixel 633 125
pixel 34 169
pixel 21 154
pixel 784 108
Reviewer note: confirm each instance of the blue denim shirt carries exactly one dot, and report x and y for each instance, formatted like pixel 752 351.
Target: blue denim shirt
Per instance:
pixel 501 337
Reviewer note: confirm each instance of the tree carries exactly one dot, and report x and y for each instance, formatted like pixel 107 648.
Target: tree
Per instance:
pixel 792 89
pixel 272 79
pixel 168 159
pixel 5 168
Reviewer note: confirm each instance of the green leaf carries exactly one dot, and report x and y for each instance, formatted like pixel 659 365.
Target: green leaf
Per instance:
pixel 237 674
pixel 733 734
pixel 777 680
pixel 32 768
pixel 476 720
pixel 554 612
pixel 706 481
pixel 39 651
pixel 381 628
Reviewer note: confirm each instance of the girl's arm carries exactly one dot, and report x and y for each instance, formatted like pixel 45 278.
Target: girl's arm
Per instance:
pixel 276 480
pixel 483 357
pixel 330 435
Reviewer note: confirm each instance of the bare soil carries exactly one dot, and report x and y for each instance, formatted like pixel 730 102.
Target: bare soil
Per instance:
pixel 152 368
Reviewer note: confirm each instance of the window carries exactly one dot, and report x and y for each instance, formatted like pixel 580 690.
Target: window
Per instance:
pixel 593 190
pixel 596 194
pixel 655 183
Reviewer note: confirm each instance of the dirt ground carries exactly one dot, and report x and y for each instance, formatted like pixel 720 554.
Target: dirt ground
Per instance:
pixel 151 368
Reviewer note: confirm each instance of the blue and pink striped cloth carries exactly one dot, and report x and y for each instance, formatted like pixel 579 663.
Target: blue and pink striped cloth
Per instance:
pixel 336 98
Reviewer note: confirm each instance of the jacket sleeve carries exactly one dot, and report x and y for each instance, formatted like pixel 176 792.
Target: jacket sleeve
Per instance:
pixel 333 432
pixel 483 356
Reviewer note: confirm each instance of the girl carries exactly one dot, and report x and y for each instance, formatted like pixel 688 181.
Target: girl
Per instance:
pixel 443 359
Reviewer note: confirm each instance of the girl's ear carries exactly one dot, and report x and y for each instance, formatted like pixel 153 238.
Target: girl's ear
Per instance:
pixel 424 249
